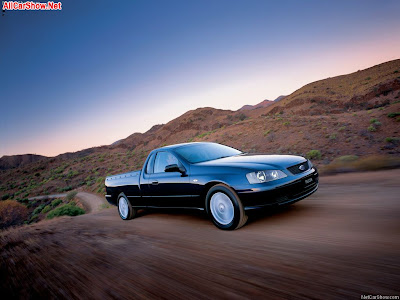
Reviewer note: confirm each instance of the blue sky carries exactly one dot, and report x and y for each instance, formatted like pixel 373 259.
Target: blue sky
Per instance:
pixel 97 71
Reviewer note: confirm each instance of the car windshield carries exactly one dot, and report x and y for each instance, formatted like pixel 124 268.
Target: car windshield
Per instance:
pixel 196 153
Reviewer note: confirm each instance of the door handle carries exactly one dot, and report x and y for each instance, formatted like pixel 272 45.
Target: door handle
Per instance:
pixel 155 182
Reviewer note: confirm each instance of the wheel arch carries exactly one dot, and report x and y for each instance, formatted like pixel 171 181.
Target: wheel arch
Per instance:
pixel 207 187
pixel 115 192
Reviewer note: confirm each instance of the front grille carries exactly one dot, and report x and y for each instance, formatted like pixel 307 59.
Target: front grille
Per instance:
pixel 299 168
pixel 281 199
pixel 306 189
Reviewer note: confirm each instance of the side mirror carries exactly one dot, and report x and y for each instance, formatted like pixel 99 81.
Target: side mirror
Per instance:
pixel 175 168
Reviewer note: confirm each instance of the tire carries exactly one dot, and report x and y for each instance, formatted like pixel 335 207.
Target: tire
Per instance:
pixel 125 209
pixel 225 208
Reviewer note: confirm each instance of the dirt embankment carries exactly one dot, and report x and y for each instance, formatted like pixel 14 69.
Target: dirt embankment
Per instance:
pixel 342 242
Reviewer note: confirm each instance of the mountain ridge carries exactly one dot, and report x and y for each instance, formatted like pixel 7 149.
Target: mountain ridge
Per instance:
pixel 264 103
pixel 13 161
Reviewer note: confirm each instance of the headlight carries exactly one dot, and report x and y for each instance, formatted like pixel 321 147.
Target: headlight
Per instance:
pixel 264 176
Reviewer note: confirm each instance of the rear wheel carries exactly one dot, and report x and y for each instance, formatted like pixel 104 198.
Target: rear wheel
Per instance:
pixel 225 208
pixel 125 209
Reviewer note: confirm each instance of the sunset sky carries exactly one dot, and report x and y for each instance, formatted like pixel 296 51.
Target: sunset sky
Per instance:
pixel 98 71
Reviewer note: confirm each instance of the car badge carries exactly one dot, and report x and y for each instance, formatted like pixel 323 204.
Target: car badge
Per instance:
pixel 302 167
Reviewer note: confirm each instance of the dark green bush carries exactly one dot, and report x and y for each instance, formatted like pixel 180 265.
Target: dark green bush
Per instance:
pixel 23 201
pixel 64 189
pixel 38 209
pixel 241 116
pixel 56 202
pixel 34 218
pixel 46 209
pixel 393 140
pixel 314 154
pixel 31 203
pixel 72 174
pixel 392 115
pixel 65 210
pixel 59 170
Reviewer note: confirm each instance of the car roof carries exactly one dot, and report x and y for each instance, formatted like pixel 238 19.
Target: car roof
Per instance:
pixel 170 147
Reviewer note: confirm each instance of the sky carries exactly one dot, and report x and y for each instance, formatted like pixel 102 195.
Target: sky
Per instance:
pixel 97 71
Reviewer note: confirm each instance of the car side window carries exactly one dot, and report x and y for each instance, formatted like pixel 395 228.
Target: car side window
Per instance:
pixel 150 165
pixel 164 159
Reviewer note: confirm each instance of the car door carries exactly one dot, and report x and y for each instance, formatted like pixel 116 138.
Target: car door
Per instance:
pixel 145 182
pixel 168 189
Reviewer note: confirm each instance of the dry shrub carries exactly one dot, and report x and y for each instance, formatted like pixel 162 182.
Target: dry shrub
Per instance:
pixel 377 162
pixel 12 213
pixel 71 195
pixel 351 163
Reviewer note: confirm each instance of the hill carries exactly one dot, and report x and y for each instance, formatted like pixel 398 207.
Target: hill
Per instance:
pixel 354 114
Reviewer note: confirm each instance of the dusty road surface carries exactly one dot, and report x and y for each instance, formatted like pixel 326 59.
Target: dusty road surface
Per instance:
pixel 91 202
pixel 342 242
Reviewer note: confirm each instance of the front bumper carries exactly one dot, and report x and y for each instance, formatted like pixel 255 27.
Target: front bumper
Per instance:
pixel 284 193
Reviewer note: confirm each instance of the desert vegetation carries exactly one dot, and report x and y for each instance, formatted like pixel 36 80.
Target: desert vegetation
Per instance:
pixel 24 211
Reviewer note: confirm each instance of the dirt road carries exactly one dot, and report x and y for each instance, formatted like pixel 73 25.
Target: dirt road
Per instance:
pixel 91 202
pixel 44 197
pixel 342 242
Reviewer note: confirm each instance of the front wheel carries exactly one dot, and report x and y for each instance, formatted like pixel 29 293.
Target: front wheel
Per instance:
pixel 125 209
pixel 225 208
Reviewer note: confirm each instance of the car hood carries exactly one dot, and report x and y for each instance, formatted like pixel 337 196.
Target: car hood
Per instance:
pixel 255 161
